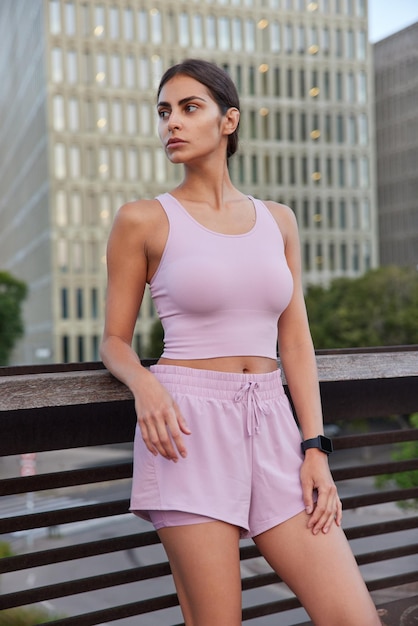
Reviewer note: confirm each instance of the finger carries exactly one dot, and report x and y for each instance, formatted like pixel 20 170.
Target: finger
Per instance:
pixel 324 511
pixel 308 500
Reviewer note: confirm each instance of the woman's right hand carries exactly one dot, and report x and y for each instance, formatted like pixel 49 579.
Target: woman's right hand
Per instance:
pixel 160 420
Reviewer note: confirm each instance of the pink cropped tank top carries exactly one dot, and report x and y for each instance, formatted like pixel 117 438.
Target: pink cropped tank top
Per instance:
pixel 220 295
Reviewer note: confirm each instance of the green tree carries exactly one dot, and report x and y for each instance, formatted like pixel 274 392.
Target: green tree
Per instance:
pixel 405 480
pixel 155 344
pixel 378 309
pixel 12 294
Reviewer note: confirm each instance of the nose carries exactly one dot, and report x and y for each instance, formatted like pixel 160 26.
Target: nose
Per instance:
pixel 173 121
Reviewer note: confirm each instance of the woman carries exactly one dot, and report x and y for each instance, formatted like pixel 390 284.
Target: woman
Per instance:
pixel 217 451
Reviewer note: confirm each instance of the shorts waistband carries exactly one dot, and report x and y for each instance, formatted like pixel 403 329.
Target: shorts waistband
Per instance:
pixel 216 384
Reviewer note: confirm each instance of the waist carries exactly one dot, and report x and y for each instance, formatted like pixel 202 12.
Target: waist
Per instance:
pixel 233 364
pixel 217 384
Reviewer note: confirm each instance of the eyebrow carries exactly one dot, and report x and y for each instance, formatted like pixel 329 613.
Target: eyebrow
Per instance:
pixel 181 102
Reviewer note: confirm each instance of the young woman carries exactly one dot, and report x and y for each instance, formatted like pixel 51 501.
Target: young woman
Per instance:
pixel 217 451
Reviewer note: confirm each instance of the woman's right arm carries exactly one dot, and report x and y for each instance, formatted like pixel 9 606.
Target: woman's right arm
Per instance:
pixel 159 418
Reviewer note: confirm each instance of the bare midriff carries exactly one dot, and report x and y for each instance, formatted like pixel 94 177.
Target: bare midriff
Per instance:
pixel 236 364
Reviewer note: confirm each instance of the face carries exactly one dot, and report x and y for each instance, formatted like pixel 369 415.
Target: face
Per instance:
pixel 190 122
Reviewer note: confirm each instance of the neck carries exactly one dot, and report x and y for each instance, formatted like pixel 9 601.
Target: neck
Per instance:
pixel 211 184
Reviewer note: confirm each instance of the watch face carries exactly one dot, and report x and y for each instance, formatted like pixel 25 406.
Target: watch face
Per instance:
pixel 326 444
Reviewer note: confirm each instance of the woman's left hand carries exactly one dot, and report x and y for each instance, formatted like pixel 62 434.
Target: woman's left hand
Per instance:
pixel 315 475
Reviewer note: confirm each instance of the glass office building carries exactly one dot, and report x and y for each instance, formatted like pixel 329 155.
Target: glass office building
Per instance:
pixel 78 138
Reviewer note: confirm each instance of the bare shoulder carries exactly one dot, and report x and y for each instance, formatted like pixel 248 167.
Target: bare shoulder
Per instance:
pixel 139 213
pixel 284 217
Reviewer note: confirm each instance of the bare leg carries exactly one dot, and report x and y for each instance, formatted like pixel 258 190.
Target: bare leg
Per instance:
pixel 321 571
pixel 204 560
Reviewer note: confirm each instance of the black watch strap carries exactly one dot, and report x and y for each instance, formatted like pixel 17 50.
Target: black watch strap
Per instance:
pixel 321 442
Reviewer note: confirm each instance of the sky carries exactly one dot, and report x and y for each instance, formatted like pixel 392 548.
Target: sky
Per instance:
pixel 388 16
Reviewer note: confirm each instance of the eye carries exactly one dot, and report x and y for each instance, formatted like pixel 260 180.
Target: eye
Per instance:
pixel 163 114
pixel 190 108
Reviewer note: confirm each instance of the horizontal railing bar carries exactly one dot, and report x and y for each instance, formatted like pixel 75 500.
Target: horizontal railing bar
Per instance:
pixel 119 471
pixel 133 609
pixel 138 574
pixel 376 439
pixel 68 478
pixel 392 581
pixel 84 585
pixel 361 471
pixel 63 516
pixel 368 499
pixel 381 528
pixel 78 551
pixel 387 555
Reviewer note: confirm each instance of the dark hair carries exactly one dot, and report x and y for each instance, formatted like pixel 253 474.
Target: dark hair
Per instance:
pixel 217 81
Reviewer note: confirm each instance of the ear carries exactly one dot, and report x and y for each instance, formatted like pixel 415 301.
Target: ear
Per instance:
pixel 231 120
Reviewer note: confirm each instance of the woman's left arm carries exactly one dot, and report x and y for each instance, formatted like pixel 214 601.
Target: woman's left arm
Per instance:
pixel 297 357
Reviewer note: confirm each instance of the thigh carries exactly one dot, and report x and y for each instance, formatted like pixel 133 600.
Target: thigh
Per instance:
pixel 321 571
pixel 204 560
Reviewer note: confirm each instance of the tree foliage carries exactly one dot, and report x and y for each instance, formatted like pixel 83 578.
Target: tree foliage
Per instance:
pixel 12 294
pixel 378 309
pixel 155 344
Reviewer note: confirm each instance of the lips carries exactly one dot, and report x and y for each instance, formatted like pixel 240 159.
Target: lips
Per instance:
pixel 175 141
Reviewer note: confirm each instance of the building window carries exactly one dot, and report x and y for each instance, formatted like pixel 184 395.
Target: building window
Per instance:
pixel 254 169
pixel 60 166
pixel 340 129
pixel 363 130
pixel 288 38
pixel 183 30
pixel 64 304
pixel 279 170
pixel 160 165
pixel 249 35
pixel 62 255
pixel 339 86
pixel 115 70
pixel 289 76
pixel 275 39
pixel 361 45
pixel 145 112
pixel 116 117
pixel 72 71
pixel 54 17
pixel 114 29
pixel 79 303
pixel 350 87
pixel 341 172
pixel 210 32
pixel 364 172
pixel 58 117
pixel 197 31
pixel 352 130
pixel 142 26
pixel 146 165
pixel 338 43
pixel 223 31
pixel 65 346
pixel 132 163
pixel 276 81
pixel 99 22
pixel 156 26
pixel 144 73
pixel 57 74
pixel 76 209
pixel 292 170
pixel 61 208
pixel 75 162
pixel 131 118
pixel 130 72
pixel 77 257
pixel 362 88
pixel 353 173
pixel 80 349
pixel 128 24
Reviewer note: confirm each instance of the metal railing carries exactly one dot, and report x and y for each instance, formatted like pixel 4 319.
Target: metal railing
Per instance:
pixel 65 407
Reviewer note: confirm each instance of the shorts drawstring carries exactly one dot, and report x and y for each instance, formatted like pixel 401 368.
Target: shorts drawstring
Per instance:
pixel 254 407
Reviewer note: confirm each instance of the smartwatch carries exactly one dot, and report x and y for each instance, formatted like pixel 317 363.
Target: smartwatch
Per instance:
pixel 321 442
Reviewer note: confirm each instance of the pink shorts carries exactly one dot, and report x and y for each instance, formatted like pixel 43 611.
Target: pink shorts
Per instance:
pixel 243 456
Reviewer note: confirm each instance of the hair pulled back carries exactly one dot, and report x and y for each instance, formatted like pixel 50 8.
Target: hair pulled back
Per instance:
pixel 217 81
